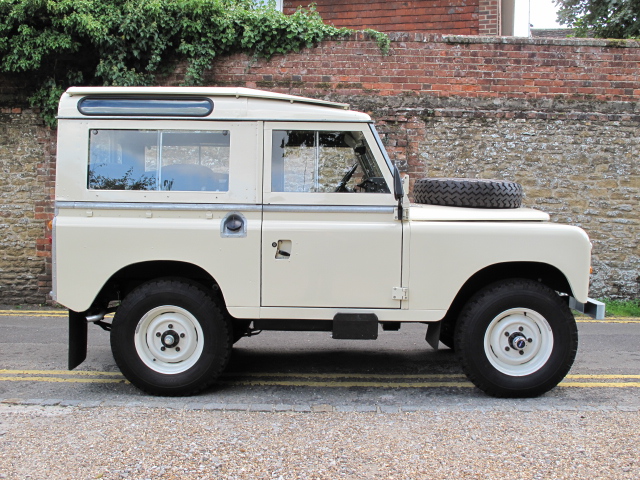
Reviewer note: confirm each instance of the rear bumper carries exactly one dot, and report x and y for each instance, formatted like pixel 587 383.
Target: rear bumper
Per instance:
pixel 592 308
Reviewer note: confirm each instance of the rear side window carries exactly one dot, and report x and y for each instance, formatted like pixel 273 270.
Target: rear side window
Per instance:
pixel 166 160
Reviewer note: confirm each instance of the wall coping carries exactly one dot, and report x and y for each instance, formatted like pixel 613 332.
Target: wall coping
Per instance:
pixel 482 39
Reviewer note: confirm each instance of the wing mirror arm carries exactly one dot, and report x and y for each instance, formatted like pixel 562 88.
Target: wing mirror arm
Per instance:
pixel 398 191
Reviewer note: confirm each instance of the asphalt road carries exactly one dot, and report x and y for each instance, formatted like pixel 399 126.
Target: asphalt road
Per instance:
pixel 311 371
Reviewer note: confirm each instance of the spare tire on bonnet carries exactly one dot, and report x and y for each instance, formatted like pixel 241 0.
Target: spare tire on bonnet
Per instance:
pixel 468 192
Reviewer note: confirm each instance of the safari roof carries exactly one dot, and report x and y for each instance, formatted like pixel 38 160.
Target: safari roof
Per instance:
pixel 227 103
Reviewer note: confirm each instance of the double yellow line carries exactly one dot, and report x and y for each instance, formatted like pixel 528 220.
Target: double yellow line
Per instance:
pixel 322 380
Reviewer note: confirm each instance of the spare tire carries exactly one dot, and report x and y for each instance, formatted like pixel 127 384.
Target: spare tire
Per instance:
pixel 466 192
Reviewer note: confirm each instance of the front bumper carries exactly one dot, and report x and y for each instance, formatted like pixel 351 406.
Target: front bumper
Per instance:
pixel 592 308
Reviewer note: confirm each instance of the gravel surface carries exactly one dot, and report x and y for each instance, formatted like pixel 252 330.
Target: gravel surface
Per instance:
pixel 39 442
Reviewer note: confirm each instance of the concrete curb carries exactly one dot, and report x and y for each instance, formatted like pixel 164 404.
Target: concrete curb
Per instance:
pixel 314 409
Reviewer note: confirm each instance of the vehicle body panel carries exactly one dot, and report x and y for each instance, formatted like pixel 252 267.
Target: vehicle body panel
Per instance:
pixel 348 251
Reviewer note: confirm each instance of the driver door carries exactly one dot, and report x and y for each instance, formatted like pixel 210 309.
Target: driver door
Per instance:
pixel 329 236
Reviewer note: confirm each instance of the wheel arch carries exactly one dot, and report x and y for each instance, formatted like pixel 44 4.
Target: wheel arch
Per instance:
pixel 546 274
pixel 128 278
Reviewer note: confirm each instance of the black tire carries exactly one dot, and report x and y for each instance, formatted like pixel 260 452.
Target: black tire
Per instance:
pixel 488 339
pixel 184 319
pixel 472 193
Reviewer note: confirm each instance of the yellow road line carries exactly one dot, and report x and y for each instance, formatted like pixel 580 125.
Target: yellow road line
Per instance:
pixel 306 375
pixel 600 384
pixel 59 372
pixel 63 380
pixel 321 384
pixel 610 320
pixel 326 380
pixel 302 374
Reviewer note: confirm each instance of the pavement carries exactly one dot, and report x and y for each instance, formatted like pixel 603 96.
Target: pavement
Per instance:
pixel 303 406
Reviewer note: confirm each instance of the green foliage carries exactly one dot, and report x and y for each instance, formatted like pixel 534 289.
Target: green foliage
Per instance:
pixel 52 44
pixel 601 18
pixel 382 39
pixel 622 308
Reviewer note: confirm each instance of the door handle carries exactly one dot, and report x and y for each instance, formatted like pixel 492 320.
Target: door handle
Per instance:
pixel 283 249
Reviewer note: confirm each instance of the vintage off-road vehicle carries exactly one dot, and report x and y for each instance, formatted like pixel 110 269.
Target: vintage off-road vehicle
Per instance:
pixel 200 215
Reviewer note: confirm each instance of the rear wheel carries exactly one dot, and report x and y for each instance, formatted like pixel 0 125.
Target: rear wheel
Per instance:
pixel 169 338
pixel 516 339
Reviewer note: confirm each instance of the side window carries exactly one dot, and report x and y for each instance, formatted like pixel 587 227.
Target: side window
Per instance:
pixel 159 160
pixel 316 161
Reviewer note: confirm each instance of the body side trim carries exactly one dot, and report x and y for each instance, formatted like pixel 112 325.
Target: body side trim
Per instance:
pixel 224 207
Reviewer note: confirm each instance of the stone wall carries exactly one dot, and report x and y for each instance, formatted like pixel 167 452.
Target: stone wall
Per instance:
pixel 26 193
pixel 559 116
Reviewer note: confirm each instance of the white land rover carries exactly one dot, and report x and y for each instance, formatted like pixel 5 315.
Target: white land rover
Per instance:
pixel 201 215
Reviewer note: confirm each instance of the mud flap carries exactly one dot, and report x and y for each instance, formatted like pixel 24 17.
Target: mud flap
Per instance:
pixel 77 339
pixel 433 334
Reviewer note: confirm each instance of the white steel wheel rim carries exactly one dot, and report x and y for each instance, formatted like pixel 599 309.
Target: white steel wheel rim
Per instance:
pixel 169 339
pixel 518 327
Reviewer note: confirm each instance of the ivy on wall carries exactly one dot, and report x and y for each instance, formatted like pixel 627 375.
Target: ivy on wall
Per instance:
pixel 52 44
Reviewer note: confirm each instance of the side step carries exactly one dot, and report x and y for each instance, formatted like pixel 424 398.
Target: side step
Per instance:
pixel 355 326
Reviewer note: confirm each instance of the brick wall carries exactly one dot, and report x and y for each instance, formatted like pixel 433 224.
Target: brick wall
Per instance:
pixel 561 117
pixel 460 17
pixel 489 17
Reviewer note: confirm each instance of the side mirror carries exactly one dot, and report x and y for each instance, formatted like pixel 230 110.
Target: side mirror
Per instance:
pixel 397 184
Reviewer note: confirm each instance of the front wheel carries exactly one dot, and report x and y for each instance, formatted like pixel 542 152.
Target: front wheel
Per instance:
pixel 169 338
pixel 516 338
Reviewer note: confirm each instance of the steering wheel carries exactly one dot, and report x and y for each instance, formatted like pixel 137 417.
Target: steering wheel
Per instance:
pixel 342 186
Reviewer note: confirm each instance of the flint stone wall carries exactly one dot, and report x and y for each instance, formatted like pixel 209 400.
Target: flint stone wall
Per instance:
pixel 26 188
pixel 559 116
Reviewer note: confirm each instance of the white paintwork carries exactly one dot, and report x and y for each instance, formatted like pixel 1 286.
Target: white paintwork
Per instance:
pixel 437 213
pixel 91 248
pixel 358 254
pixel 348 251
pixel 345 260
pixel 443 255
pixel 240 104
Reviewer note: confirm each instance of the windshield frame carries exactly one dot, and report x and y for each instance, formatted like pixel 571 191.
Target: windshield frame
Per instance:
pixel 383 150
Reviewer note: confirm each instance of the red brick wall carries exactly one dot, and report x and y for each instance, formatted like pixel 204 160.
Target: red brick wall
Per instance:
pixel 570 70
pixel 458 17
pixel 489 17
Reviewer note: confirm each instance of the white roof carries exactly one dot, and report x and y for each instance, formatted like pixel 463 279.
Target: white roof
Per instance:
pixel 229 103
pixel 200 91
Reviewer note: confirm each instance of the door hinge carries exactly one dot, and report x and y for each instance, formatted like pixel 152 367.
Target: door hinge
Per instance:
pixel 405 214
pixel 399 293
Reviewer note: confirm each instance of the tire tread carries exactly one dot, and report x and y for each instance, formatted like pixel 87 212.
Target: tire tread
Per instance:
pixel 197 293
pixel 469 364
pixel 471 193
